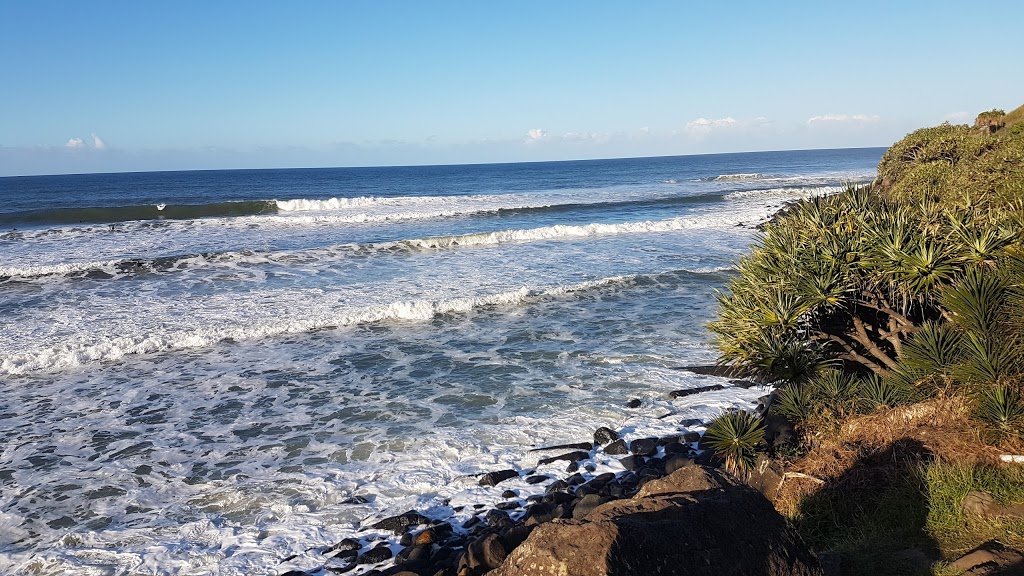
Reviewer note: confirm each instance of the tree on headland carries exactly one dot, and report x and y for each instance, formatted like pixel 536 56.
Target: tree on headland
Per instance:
pixel 909 286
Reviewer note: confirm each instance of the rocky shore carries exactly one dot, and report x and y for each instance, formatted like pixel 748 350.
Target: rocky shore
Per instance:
pixel 666 510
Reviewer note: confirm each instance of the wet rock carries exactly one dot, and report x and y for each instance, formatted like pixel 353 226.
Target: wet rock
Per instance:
pixel 515 536
pixel 673 449
pixel 534 498
pixel 356 500
pixel 644 446
pixel 494 478
pixel 616 448
pixel 575 480
pixel 485 553
pixel 568 456
pixel 558 498
pixel 417 555
pixel 509 494
pixel 673 533
pixel 690 438
pixel 556 486
pixel 406 539
pixel 347 547
pixel 690 422
pixel 691 391
pixel 604 435
pixel 631 462
pixel 634 403
pixel 572 467
pixel 599 482
pixel 473 521
pixel 497 518
pixel 578 446
pixel 537 479
pixel 398 524
pixel 586 505
pixel 375 555
pixel 676 462
pixel 510 505
pixel 427 537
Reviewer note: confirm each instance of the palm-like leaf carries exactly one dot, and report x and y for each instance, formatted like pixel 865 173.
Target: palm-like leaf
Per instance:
pixel 735 436
pixel 797 403
pixel 1002 408
pixel 933 348
pixel 975 300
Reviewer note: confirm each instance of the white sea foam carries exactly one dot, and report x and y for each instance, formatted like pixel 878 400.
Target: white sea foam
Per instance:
pixel 480 239
pixel 76 354
pixel 805 192
pixel 733 177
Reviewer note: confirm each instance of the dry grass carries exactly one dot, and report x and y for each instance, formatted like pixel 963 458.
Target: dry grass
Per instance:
pixel 941 426
pixel 895 480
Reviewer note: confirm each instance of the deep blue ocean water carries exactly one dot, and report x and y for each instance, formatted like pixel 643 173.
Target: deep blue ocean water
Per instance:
pixel 200 370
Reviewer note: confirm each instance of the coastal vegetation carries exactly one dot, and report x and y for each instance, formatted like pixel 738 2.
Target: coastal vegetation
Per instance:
pixel 890 319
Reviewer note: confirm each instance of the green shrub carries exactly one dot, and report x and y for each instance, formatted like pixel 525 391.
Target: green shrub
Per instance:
pixel 735 436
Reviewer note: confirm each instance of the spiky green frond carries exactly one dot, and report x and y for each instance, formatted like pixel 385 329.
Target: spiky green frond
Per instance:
pixel 933 348
pixel 735 436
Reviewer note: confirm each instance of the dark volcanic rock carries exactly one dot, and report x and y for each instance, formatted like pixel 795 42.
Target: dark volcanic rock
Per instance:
pixel 485 553
pixel 694 522
pixel 569 456
pixel 398 524
pixel 578 446
pixel 509 494
pixel 690 437
pixel 676 462
pixel 634 403
pixel 631 462
pixel 556 486
pixel 644 447
pixel 537 479
pixel 605 435
pixel 698 390
pixel 616 448
pixel 347 547
pixel 586 505
pixel 375 555
pixel 414 555
pixel 494 478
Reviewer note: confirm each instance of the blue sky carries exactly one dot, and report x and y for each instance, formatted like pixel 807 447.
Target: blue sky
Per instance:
pixel 116 86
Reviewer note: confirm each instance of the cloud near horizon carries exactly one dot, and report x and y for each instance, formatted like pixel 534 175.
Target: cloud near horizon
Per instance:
pixel 80 144
pixel 843 119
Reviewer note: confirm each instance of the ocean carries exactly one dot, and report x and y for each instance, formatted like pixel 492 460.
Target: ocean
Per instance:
pixel 223 372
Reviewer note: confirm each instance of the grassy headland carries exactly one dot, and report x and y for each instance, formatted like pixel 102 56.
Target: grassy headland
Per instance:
pixel 891 318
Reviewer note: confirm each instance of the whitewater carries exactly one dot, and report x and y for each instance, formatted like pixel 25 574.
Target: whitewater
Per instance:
pixel 225 372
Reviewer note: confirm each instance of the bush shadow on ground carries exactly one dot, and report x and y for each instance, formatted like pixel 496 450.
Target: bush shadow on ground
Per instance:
pixel 871 519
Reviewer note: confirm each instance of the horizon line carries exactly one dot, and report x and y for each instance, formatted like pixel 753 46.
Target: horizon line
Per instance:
pixel 434 165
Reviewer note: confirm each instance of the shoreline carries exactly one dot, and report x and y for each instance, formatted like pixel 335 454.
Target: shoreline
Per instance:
pixel 614 466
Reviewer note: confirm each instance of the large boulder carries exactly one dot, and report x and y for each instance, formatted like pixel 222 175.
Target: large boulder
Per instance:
pixel 693 522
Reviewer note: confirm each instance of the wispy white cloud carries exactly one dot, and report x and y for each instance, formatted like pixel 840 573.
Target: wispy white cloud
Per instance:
pixel 958 118
pixel 704 126
pixel 535 134
pixel 75 144
pixel 843 119
pixel 98 143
